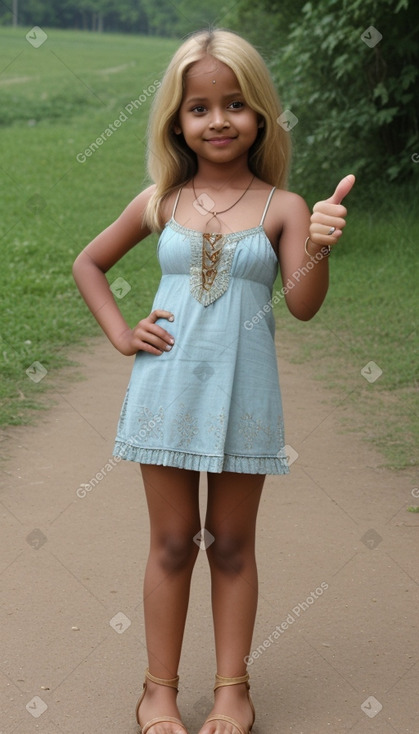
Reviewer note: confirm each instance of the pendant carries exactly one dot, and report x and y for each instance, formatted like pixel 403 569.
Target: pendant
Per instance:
pixel 212 256
pixel 212 247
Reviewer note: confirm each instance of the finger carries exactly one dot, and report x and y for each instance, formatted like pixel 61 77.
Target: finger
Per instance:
pixel 143 346
pixel 151 343
pixel 329 232
pixel 323 239
pixel 158 331
pixel 153 334
pixel 162 340
pixel 160 314
pixel 319 217
pixel 342 189
pixel 330 210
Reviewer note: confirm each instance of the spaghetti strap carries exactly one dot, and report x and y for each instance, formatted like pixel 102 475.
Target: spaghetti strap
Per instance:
pixel 176 202
pixel 267 205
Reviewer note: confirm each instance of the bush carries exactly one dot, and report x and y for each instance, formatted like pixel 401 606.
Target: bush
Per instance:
pixel 352 91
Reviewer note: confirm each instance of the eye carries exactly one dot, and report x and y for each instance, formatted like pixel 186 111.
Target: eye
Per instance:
pixel 199 109
pixel 236 105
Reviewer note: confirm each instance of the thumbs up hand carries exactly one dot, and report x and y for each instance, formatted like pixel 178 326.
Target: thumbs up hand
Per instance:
pixel 328 218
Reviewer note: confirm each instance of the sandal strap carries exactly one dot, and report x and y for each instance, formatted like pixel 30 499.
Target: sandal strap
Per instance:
pixel 221 681
pixel 221 717
pixel 161 720
pixel 170 682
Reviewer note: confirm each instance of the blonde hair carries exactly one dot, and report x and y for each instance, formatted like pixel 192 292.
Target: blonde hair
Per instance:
pixel 170 161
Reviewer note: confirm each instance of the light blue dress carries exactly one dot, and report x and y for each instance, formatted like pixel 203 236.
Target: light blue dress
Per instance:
pixel 213 402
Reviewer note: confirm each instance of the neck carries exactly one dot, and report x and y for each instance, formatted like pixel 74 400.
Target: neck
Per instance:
pixel 220 175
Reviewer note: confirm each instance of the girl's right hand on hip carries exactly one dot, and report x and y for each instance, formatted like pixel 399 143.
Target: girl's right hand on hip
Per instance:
pixel 147 336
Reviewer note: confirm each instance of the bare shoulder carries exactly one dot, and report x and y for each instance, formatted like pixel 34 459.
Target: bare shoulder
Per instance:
pixel 131 219
pixel 285 209
pixel 139 203
pixel 288 203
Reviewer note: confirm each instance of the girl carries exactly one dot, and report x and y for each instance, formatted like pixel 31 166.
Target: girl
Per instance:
pixel 204 392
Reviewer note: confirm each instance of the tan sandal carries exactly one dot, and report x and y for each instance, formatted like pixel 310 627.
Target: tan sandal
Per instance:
pixel 171 683
pixel 219 682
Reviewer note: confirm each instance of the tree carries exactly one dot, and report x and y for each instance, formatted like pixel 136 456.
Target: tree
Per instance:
pixel 350 73
pixel 96 15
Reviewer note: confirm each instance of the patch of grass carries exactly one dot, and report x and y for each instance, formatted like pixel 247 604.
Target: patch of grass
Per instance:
pixel 370 315
pixel 74 73
pixel 57 100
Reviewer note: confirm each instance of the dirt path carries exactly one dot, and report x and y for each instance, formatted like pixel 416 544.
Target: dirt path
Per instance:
pixel 335 643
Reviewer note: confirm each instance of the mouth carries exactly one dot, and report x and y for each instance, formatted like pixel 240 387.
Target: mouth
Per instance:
pixel 220 141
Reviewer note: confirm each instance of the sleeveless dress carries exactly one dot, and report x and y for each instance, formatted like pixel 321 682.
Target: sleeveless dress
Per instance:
pixel 213 402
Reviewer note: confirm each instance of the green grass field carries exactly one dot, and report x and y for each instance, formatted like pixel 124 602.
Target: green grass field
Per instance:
pixel 55 101
pixel 370 315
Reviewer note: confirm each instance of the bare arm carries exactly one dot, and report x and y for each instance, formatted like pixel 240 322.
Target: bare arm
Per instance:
pixel 89 273
pixel 305 287
pixel 306 277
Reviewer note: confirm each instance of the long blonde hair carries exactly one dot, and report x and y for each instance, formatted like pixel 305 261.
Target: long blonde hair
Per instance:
pixel 170 161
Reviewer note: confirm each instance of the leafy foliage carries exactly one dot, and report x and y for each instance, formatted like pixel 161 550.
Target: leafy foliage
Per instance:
pixel 355 102
pixel 264 23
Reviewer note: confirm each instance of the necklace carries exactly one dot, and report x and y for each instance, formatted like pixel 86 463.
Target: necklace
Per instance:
pixel 213 243
pixel 214 213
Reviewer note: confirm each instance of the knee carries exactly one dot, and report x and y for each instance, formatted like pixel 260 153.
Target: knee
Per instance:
pixel 229 555
pixel 176 552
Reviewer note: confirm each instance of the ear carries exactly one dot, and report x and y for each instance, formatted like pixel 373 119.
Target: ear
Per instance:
pixel 261 123
pixel 177 129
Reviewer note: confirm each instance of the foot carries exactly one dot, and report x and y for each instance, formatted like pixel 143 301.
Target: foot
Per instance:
pixel 160 701
pixel 231 701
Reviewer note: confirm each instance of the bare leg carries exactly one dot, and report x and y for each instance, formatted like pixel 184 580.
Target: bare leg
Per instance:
pixel 233 501
pixel 173 504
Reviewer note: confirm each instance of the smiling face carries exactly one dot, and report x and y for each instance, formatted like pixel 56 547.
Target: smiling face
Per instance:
pixel 216 122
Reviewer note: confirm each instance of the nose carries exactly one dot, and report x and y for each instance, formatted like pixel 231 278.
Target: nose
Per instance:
pixel 218 119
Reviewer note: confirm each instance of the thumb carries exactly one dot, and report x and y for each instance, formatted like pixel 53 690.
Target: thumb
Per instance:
pixel 342 189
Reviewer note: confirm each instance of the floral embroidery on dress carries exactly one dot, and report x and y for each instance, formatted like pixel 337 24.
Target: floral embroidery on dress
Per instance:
pixel 124 406
pixel 184 427
pixel 151 425
pixel 216 425
pixel 250 430
pixel 281 431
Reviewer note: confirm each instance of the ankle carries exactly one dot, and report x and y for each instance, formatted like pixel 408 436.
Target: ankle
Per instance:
pixel 157 691
pixel 239 690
